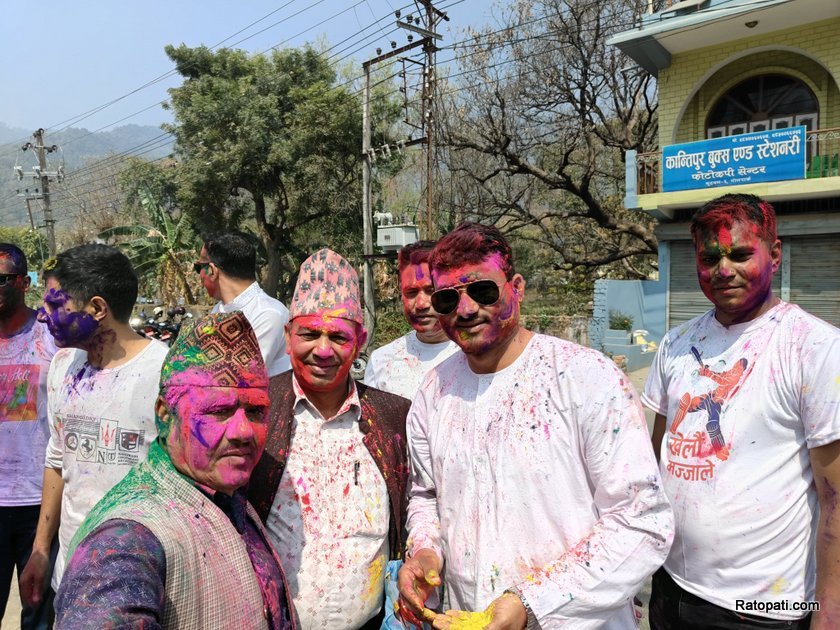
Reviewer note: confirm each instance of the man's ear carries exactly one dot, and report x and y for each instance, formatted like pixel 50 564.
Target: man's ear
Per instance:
pixel 100 307
pixel 518 284
pixel 287 333
pixel 162 410
pixel 27 281
pixel 361 338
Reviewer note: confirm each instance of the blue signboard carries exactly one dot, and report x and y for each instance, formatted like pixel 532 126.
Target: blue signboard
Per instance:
pixel 766 156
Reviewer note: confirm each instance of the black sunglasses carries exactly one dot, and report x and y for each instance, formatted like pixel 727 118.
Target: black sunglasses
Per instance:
pixel 8 278
pixel 198 266
pixel 484 292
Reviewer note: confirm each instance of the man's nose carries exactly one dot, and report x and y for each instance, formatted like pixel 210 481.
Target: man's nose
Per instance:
pixel 239 427
pixel 467 307
pixel 725 269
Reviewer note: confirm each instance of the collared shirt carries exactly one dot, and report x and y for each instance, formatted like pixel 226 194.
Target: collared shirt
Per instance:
pixel 119 572
pixel 267 317
pixel 329 520
pixel 401 366
pixel 541 477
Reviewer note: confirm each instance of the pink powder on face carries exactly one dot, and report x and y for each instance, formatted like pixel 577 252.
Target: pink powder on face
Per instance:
pixel 724 238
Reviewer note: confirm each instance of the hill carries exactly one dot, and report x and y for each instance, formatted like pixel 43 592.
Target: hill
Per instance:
pixel 77 147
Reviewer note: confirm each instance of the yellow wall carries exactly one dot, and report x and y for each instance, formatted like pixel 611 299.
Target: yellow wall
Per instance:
pixel 692 84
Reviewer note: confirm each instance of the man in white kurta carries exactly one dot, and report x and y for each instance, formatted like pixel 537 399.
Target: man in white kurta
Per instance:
pixel 534 490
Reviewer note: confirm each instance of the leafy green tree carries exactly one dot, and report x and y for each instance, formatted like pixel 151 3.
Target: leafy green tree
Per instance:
pixel 160 251
pixel 271 137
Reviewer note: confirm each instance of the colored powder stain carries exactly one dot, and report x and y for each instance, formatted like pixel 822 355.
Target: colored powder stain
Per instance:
pixel 472 620
pixel 346 489
pixel 837 380
pixel 375 577
pixel 778 586
pixel 724 238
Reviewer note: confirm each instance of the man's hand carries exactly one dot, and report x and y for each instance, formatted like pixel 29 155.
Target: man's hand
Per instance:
pixel 32 579
pixel 417 579
pixel 504 613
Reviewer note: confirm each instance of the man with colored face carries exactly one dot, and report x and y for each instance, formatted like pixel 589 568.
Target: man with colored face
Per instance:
pixel 534 494
pixel 102 387
pixel 176 544
pixel 227 266
pixel 400 366
pixel 747 421
pixel 330 487
pixel 26 349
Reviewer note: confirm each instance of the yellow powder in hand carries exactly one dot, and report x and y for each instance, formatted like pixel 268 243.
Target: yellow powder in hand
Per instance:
pixel 472 620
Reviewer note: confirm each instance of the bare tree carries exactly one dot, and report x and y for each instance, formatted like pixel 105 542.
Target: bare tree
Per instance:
pixel 536 121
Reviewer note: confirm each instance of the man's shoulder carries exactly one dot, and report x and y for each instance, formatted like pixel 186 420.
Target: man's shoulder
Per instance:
pixel 267 303
pixel 392 348
pixel 383 400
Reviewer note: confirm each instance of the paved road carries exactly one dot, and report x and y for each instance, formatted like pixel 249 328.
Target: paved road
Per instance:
pixel 11 620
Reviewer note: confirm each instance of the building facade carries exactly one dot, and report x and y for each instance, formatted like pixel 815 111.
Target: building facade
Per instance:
pixel 734 74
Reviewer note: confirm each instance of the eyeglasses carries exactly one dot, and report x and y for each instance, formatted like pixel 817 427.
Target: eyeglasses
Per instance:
pixel 198 266
pixel 484 292
pixel 8 278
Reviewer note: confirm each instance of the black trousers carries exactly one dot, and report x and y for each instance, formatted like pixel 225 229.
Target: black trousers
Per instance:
pixel 17 531
pixel 673 608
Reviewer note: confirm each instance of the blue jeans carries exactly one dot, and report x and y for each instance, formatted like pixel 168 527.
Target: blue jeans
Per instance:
pixel 17 531
pixel 673 608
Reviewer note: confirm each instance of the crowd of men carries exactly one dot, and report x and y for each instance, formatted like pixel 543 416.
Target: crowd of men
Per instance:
pixel 482 475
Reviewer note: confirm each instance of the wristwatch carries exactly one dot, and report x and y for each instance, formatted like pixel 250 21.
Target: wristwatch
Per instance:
pixel 531 622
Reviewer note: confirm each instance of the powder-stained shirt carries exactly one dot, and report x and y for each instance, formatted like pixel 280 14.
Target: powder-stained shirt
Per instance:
pixel 744 403
pixel 401 366
pixel 101 424
pixel 268 317
pixel 329 519
pixel 538 477
pixel 24 431
pixel 119 572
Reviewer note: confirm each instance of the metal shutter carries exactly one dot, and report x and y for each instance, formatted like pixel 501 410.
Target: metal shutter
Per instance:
pixel 815 275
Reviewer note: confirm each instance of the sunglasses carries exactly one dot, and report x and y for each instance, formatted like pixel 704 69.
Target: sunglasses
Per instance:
pixel 8 278
pixel 198 266
pixel 484 292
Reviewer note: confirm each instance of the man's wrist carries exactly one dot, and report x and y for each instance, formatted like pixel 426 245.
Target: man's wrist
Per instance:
pixel 531 622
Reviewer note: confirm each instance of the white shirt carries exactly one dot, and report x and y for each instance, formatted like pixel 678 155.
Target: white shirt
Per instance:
pixel 746 512
pixel 401 366
pixel 24 365
pixel 541 477
pixel 267 317
pixel 101 424
pixel 329 521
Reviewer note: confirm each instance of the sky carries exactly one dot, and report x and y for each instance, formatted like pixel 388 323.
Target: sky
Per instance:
pixel 65 59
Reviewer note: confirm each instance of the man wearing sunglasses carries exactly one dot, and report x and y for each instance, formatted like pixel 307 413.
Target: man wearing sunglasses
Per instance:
pixel 534 491
pixel 227 266
pixel 26 349
pixel 400 366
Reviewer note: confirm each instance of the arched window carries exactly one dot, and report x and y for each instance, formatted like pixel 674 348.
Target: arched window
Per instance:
pixel 770 101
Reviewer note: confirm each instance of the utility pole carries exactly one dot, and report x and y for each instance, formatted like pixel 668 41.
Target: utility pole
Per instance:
pixel 367 212
pixel 42 175
pixel 45 187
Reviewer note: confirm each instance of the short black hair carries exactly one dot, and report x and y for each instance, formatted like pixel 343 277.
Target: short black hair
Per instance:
pixel 234 253
pixel 16 255
pixel 86 271
pixel 415 253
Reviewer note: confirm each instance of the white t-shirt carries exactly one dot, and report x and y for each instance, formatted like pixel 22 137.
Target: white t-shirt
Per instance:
pixel 268 318
pixel 742 489
pixel 101 424
pixel 329 521
pixel 24 365
pixel 401 366
pixel 539 476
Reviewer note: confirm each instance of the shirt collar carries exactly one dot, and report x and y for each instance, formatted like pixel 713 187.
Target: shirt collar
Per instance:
pixel 243 298
pixel 351 403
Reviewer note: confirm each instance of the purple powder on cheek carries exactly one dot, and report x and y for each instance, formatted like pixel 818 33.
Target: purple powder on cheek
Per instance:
pixel 68 328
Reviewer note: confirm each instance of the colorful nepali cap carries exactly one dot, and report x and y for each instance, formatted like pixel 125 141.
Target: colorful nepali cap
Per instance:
pixel 221 346
pixel 327 285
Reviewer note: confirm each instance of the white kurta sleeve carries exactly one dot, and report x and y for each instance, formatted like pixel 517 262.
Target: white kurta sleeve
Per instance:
pixel 423 522
pixel 596 577
pixel 54 457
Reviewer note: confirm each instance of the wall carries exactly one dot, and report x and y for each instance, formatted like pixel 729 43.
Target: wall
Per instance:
pixel 643 300
pixel 683 78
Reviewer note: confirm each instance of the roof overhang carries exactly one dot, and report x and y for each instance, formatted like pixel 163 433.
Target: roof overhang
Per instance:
pixel 665 34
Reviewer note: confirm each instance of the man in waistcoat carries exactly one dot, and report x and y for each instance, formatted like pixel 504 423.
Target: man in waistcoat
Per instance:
pixel 330 486
pixel 175 544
